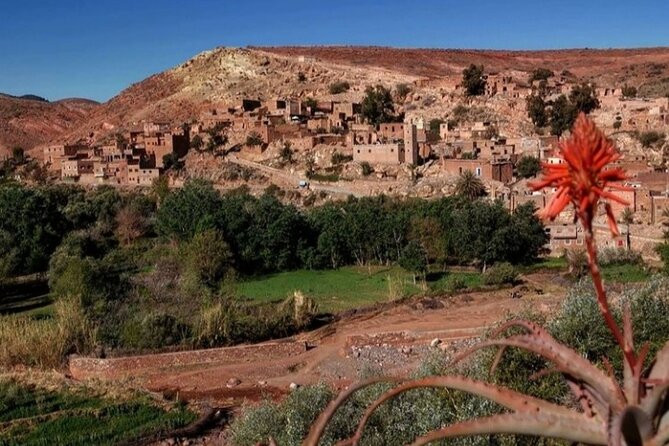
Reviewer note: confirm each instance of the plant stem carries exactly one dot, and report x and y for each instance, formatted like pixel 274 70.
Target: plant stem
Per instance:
pixel 602 301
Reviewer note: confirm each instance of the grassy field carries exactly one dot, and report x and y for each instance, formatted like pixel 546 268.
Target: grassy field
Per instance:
pixel 32 416
pixel 349 287
pixel 625 273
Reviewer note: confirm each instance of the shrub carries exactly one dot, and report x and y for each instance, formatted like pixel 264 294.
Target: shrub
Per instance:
pixel 400 420
pixel 154 331
pixel 577 260
pixel 254 139
pixel 629 91
pixel 619 256
pixel 339 87
pixel 500 274
pixel 455 283
pixel 402 90
pixel 340 158
pixel 651 138
pixel 301 77
pixel 367 169
pixel 617 125
pixel 541 74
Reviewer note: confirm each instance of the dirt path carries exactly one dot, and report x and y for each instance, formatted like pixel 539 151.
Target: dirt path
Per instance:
pixel 394 340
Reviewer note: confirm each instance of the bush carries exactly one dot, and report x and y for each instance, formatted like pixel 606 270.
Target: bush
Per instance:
pixel 541 74
pixel 500 274
pixel 629 91
pixel 577 260
pixel 651 138
pixel 400 420
pixel 455 283
pixel 402 90
pixel 339 87
pixel 154 331
pixel 619 256
pixel 528 166
pixel 617 125
pixel 367 169
pixel 340 158
pixel 254 139
pixel 301 77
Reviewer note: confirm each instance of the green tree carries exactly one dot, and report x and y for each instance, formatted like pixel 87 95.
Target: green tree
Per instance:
pixel 377 106
pixel 208 257
pixel 414 259
pixel 470 186
pixel 473 80
pixel 629 91
pixel 536 110
pixel 435 128
pixel 196 142
pixel 185 211
pixel 528 166
pixel 172 161
pixel 584 98
pixel 562 115
pixel 301 77
pixel 541 74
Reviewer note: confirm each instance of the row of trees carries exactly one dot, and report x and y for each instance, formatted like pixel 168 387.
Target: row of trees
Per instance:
pixel 265 235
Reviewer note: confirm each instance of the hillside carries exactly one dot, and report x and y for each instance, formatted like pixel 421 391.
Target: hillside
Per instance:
pixel 29 122
pixel 610 65
pixel 223 76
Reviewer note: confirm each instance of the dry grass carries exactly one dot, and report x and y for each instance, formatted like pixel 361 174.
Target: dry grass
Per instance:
pixel 45 343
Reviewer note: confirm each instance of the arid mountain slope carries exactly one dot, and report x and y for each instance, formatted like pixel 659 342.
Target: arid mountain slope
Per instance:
pixel 622 64
pixel 224 75
pixel 27 123
pixel 219 77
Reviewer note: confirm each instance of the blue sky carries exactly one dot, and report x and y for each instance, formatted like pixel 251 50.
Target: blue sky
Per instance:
pixel 96 48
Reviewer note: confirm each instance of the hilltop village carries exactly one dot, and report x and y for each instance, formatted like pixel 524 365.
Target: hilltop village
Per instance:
pixel 382 144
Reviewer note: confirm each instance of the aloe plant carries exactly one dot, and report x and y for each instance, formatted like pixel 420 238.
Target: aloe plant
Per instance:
pixel 632 412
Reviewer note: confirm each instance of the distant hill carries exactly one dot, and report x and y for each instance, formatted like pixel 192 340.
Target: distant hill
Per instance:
pixel 30 121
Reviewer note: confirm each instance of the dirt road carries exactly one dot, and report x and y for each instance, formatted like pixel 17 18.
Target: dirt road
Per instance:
pixel 394 340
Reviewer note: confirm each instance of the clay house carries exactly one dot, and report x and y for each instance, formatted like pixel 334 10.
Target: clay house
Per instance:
pixel 391 131
pixel 486 169
pixel 55 155
pixel 390 153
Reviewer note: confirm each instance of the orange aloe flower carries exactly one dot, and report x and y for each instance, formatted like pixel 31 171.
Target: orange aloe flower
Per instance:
pixel 583 179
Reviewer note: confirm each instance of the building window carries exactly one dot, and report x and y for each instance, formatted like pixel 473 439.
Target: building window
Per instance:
pixel 478 171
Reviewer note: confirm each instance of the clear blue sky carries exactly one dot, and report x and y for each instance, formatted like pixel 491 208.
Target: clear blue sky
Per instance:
pixel 96 48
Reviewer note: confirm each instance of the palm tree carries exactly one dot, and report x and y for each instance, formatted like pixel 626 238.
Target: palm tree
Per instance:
pixel 470 186
pixel 627 217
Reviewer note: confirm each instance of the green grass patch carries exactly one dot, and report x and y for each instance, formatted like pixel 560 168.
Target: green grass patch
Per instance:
pixel 444 281
pixel 546 263
pixel 625 273
pixel 31 416
pixel 349 287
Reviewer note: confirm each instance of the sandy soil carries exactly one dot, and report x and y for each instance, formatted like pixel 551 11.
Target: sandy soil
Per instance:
pixel 392 338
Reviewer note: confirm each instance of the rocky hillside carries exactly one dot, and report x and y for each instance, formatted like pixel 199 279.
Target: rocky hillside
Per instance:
pixel 225 75
pixel 635 66
pixel 28 121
